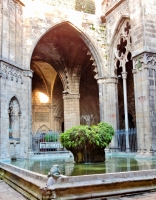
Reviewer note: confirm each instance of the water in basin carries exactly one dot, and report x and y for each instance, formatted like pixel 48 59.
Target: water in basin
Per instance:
pixel 113 163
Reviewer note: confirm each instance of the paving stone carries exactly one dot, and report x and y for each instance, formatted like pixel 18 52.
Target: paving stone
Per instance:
pixel 8 193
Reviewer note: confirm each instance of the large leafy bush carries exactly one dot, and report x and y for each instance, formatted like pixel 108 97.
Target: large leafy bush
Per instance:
pixel 90 137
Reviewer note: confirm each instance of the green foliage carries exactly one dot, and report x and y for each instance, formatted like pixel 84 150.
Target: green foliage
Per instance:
pixel 86 6
pixel 83 136
pixel 51 137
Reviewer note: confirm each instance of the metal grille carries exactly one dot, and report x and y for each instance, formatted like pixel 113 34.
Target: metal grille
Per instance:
pixel 45 142
pixel 121 140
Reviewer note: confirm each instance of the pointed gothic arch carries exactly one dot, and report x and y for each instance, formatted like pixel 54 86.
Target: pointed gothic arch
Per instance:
pixel 64 49
pixel 92 46
pixel 121 66
pixel 116 35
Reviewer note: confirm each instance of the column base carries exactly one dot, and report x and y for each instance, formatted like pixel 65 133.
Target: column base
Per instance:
pixel 143 153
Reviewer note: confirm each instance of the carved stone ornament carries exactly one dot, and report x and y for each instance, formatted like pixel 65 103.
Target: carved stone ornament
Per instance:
pixel 144 61
pixel 123 46
pixel 12 72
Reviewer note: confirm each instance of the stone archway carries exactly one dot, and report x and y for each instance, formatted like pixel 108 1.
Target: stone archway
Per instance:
pixel 64 70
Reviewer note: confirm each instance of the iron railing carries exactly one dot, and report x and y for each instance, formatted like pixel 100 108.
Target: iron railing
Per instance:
pixel 120 139
pixel 45 142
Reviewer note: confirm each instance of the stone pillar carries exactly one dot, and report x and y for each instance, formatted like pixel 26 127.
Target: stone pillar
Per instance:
pixel 145 98
pixel 71 110
pixel 27 140
pixel 108 99
pixel 124 77
pixel 1 131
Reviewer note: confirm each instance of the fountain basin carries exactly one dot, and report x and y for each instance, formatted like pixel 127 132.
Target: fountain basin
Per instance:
pixel 33 185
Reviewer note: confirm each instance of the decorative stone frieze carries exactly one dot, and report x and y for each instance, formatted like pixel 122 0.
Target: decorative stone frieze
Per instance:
pixel 11 71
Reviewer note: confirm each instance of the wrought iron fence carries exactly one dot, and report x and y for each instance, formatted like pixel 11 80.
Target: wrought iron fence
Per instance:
pixel 46 142
pixel 121 140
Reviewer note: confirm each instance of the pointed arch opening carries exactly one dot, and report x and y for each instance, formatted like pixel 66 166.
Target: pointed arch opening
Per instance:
pixel 64 70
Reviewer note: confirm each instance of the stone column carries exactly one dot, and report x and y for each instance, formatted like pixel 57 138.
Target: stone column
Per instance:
pixel 124 77
pixel 108 99
pixel 27 140
pixel 71 110
pixel 144 81
pixel 1 131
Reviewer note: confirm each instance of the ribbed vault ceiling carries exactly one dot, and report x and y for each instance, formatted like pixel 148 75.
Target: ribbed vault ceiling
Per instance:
pixel 64 50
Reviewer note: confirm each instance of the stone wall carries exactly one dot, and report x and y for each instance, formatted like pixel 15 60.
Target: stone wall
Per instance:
pixel 37 23
pixel 142 34
pixel 11 26
pixel 15 83
pixel 87 6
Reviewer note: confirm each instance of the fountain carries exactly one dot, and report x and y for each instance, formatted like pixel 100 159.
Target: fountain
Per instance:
pixel 69 180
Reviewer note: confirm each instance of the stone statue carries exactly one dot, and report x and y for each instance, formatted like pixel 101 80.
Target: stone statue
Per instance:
pixel 54 175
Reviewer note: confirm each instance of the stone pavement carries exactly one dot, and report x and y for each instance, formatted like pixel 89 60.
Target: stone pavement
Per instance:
pixel 8 193
pixel 141 196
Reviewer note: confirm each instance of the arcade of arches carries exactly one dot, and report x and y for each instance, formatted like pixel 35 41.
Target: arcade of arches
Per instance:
pixel 65 63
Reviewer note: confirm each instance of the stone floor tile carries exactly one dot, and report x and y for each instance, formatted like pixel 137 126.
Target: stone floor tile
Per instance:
pixel 21 198
pixel 6 195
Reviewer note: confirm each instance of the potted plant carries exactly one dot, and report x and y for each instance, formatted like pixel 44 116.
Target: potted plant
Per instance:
pixel 87 143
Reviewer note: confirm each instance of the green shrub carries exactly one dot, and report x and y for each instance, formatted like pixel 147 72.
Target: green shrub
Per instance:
pixel 96 136
pixel 51 137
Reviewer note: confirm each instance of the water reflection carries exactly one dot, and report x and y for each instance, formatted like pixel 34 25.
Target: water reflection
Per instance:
pixel 111 165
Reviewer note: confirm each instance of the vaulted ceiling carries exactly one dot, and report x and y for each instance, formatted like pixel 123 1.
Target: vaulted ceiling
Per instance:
pixel 64 50
pixel 62 53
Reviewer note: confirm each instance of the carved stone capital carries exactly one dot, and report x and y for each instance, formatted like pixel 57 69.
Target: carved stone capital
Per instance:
pixel 71 96
pixel 134 71
pixel 124 75
pixel 107 80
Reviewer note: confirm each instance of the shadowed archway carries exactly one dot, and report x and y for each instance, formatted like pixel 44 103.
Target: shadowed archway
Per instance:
pixel 64 70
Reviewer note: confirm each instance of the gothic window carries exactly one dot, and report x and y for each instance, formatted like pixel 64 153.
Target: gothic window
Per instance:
pixel 123 46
